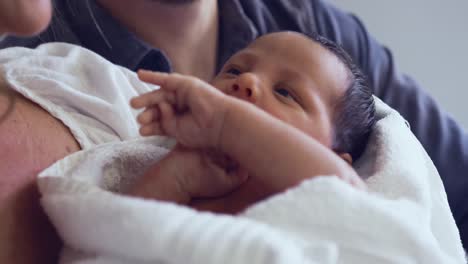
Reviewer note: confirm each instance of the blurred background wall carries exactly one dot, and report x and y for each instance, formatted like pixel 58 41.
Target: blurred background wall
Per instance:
pixel 429 40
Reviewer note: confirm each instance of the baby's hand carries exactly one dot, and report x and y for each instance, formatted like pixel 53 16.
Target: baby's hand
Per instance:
pixel 186 108
pixel 187 173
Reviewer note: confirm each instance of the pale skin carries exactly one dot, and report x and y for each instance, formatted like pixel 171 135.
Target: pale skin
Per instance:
pixel 294 128
pixel 30 136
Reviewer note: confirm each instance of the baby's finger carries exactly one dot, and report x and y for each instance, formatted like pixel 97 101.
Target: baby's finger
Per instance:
pixel 167 118
pixel 152 129
pixel 150 114
pixel 151 98
pixel 158 78
pixel 168 81
pixel 139 101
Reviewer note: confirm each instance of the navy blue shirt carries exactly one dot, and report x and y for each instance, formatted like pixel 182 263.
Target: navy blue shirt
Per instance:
pixel 85 23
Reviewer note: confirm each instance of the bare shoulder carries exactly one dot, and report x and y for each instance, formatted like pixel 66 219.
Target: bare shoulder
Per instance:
pixel 30 135
pixel 30 140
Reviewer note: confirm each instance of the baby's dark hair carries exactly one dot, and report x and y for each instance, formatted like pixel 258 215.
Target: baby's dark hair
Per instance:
pixel 355 110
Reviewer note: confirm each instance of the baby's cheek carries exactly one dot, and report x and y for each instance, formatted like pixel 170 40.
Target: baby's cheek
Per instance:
pixel 321 131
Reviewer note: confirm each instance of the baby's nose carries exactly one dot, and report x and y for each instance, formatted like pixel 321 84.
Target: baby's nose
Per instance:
pixel 245 88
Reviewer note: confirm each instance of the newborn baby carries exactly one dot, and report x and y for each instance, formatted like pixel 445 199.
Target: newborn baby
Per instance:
pixel 286 108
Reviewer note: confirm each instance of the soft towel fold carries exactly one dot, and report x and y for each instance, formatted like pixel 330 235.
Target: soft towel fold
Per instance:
pixel 87 93
pixel 404 218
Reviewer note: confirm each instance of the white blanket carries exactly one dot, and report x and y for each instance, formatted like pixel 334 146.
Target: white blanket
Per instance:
pixel 404 218
pixel 87 93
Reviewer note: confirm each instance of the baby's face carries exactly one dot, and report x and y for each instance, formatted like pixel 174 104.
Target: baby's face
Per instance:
pixel 291 77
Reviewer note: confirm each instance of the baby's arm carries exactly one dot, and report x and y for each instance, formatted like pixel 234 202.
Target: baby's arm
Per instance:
pixel 279 154
pixel 184 174
pixel 200 116
pixel 162 180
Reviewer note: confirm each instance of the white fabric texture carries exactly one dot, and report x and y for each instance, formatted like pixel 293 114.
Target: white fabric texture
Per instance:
pixel 87 93
pixel 404 218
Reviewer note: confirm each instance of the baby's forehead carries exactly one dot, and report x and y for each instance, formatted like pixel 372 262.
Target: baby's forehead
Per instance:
pixel 286 40
pixel 293 47
pixel 297 51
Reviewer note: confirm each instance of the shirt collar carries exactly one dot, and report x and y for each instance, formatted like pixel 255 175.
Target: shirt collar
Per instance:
pixel 101 33
pixel 236 29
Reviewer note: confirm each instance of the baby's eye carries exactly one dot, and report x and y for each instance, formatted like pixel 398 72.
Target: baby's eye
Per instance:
pixel 233 71
pixel 285 93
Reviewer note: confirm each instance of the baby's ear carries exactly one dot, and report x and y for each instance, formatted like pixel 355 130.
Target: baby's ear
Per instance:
pixel 346 157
